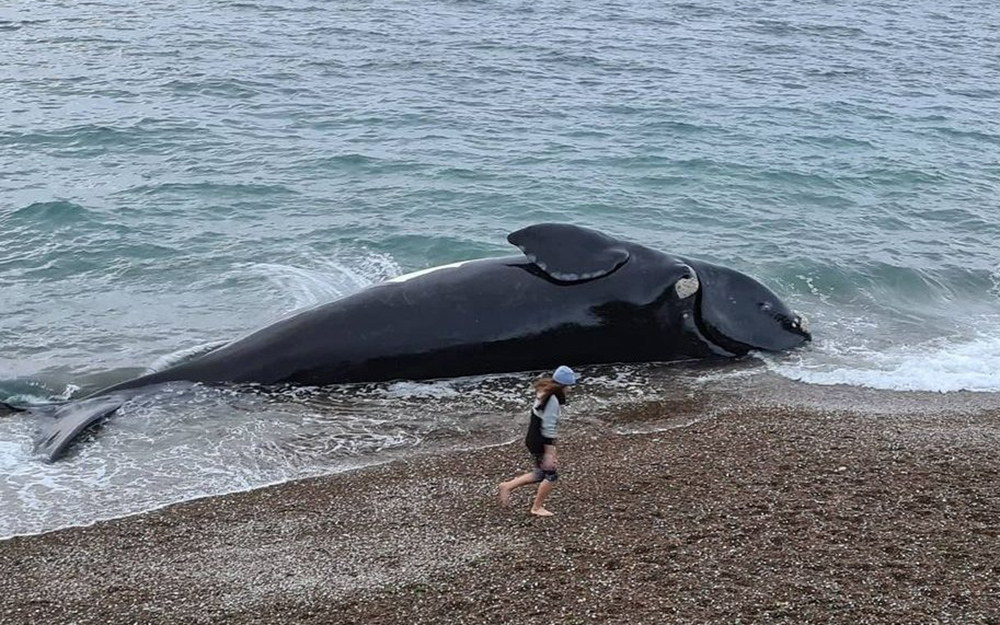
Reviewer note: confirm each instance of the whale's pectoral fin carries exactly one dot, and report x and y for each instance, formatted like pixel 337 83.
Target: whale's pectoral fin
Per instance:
pixel 570 253
pixel 65 423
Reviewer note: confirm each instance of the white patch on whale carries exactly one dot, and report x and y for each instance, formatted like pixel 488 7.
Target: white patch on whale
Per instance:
pixel 424 272
pixel 801 323
pixel 686 287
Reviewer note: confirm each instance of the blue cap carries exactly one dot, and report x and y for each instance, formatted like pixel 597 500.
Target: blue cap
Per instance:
pixel 564 375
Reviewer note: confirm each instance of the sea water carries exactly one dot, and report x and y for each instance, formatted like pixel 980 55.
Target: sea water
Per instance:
pixel 174 174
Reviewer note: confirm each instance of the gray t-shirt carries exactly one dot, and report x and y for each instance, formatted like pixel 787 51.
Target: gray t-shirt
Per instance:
pixel 549 416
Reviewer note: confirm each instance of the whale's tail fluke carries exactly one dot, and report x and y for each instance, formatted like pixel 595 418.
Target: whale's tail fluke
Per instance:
pixel 6 408
pixel 61 425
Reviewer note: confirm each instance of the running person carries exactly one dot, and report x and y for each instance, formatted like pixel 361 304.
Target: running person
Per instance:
pixel 550 396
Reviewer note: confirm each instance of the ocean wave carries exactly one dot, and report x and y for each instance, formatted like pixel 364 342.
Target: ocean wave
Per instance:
pixel 151 136
pixel 945 364
pixel 355 162
pixel 84 135
pixel 225 88
pixel 55 213
pixel 202 190
pixel 325 279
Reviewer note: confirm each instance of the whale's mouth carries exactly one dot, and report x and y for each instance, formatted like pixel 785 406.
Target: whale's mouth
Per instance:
pixel 712 335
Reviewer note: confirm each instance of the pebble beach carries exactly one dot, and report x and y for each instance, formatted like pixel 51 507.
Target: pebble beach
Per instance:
pixel 691 511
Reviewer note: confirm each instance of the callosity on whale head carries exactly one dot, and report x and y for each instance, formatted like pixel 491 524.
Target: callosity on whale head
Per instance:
pixel 738 314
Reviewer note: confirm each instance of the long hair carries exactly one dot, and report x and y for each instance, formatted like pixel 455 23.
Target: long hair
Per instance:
pixel 547 387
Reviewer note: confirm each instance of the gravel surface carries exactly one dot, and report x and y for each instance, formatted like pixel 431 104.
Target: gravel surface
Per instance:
pixel 764 515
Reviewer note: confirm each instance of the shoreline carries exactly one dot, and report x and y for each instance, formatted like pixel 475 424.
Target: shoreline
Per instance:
pixel 753 514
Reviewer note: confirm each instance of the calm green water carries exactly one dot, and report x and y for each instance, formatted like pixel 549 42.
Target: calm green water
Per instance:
pixel 178 173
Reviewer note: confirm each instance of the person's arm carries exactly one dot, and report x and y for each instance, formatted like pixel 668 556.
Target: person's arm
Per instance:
pixel 550 425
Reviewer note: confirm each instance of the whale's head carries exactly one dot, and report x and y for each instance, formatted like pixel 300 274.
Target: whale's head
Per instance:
pixel 730 313
pixel 735 313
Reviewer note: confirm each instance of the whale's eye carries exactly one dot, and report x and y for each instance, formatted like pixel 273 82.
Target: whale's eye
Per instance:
pixel 765 306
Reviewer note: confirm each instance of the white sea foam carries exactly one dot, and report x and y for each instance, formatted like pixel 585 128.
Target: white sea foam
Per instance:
pixel 941 365
pixel 321 280
pixel 183 442
pixel 442 388
pixel 168 360
pixel 11 454
pixel 165 451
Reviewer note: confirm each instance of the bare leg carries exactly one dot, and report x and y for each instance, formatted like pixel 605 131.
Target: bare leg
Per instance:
pixel 506 487
pixel 538 507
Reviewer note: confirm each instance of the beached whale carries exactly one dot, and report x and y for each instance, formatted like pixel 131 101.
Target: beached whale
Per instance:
pixel 576 297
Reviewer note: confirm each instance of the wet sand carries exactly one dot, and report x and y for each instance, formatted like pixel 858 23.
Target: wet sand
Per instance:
pixel 750 515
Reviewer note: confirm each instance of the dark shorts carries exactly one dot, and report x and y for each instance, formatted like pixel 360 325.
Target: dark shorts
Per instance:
pixel 542 474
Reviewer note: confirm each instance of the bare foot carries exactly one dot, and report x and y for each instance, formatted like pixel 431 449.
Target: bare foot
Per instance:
pixel 504 494
pixel 541 512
